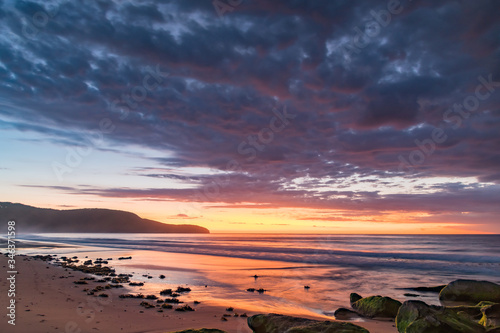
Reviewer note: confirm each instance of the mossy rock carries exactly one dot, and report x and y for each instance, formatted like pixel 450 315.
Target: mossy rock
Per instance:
pixel 354 298
pixel 274 323
pixel 418 317
pixel 494 330
pixel 345 314
pixel 470 292
pixel 328 327
pixel 202 330
pixel 474 312
pixel 491 316
pixel 377 306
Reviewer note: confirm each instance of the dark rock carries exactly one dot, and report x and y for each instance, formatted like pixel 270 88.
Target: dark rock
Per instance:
pixel 184 308
pixel 166 292
pixel 80 282
pixel 131 296
pixel 435 289
pixel 96 270
pixel 418 317
pixel 172 300
pixel 345 314
pixel 411 295
pixel 202 330
pixel 274 323
pixel 494 330
pixel 377 306
pixel 136 284
pixel 183 289
pixel 147 305
pixel 473 312
pixel 120 280
pixel 470 291
pixel 354 298
pixel 491 316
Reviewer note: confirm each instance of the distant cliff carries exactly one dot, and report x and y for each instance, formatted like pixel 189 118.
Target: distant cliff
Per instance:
pixel 32 219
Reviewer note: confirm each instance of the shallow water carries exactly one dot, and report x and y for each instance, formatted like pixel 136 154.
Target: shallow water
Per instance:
pixel 332 265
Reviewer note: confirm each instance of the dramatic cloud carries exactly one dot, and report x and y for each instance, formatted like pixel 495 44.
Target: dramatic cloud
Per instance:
pixel 325 105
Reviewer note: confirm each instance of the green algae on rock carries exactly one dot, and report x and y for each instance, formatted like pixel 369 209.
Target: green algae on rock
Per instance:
pixel 202 330
pixel 418 317
pixel 274 323
pixel 470 291
pixel 354 298
pixel 491 316
pixel 376 306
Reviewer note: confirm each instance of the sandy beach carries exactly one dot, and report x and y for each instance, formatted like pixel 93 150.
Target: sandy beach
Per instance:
pixel 48 300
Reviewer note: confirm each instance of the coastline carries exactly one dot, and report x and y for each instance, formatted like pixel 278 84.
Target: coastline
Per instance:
pixel 48 299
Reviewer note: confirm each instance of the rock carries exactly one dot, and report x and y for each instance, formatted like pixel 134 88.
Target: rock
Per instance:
pixel 377 306
pixel 491 316
pixel 183 289
pixel 345 314
pixel 418 317
pixel 435 289
pixel 328 327
pixel 473 312
pixel 147 305
pixel 184 308
pixel 274 323
pixel 494 330
pixel 354 298
pixel 166 292
pixel 470 291
pixel 203 330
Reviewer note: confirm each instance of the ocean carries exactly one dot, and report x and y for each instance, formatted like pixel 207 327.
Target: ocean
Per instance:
pixel 221 267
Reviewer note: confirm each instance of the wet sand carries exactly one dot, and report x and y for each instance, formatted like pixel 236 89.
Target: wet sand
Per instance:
pixel 47 300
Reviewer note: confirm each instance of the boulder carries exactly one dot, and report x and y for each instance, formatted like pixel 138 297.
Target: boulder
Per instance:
pixel 418 317
pixel 474 312
pixel 491 316
pixel 202 330
pixel 354 298
pixel 377 306
pixel 494 330
pixel 435 289
pixel 274 323
pixel 345 314
pixel 470 291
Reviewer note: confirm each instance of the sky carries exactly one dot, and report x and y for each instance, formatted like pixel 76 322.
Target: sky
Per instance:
pixel 256 116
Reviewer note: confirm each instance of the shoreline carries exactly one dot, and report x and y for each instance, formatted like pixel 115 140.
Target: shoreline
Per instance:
pixel 47 298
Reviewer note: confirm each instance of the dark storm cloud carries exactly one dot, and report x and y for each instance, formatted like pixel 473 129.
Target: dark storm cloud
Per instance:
pixel 356 112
